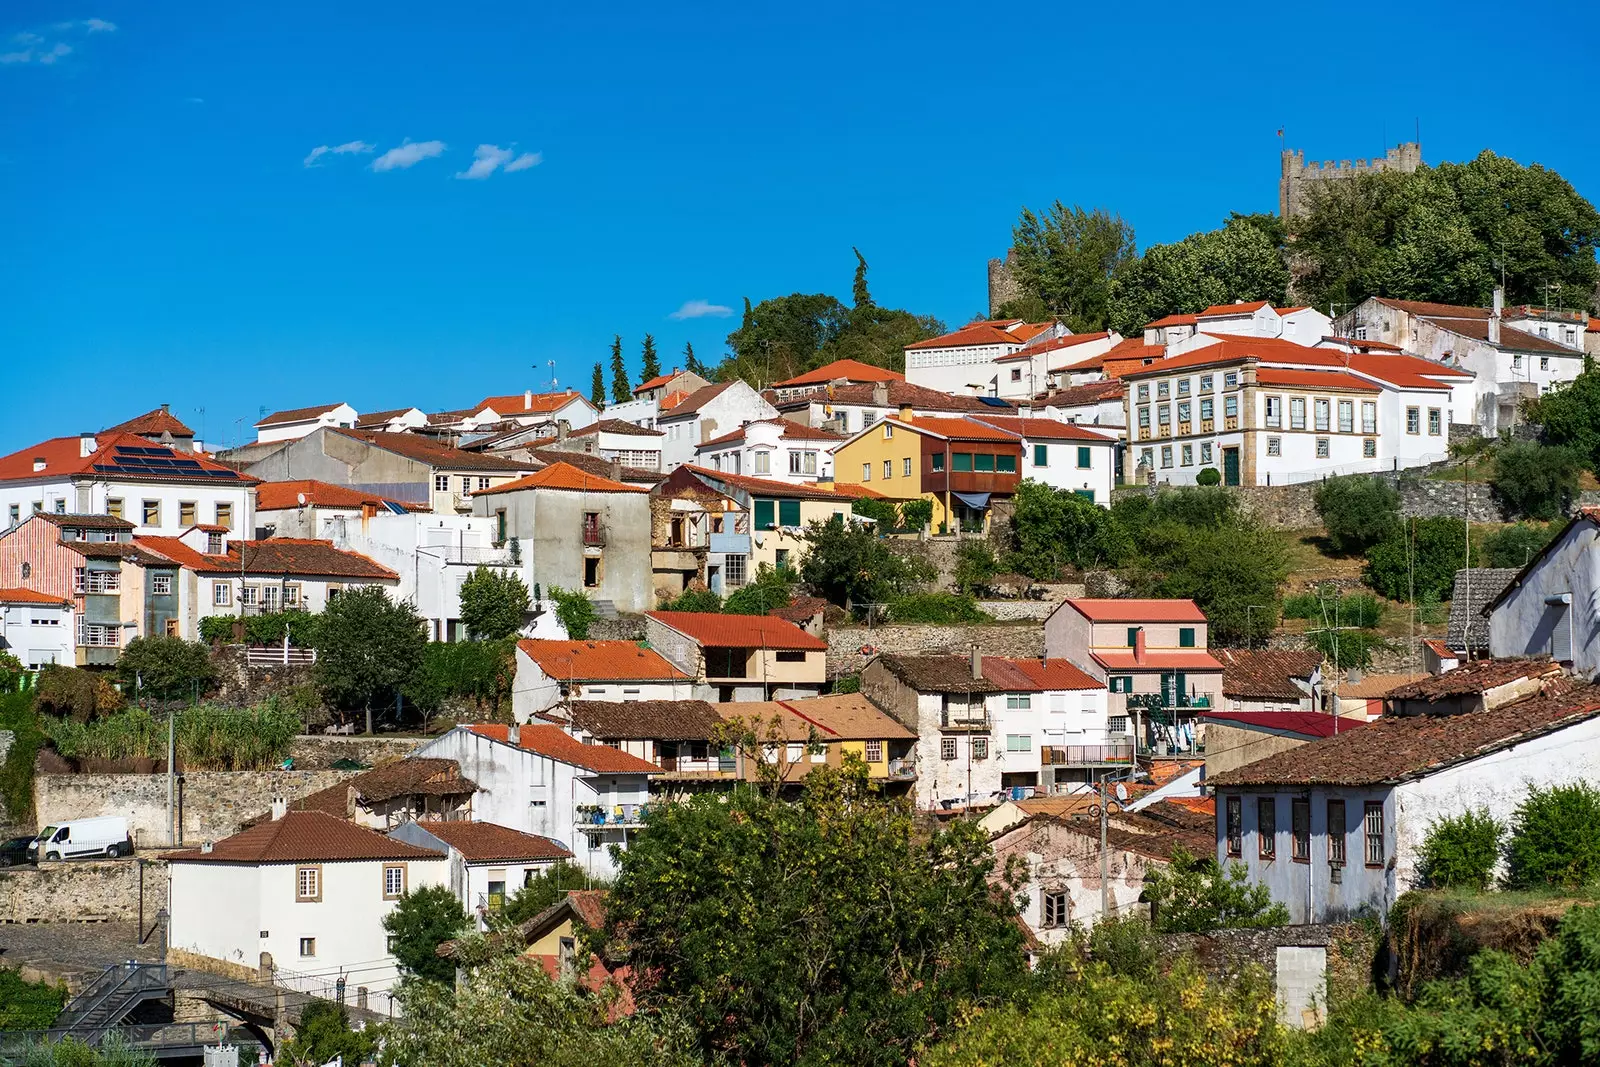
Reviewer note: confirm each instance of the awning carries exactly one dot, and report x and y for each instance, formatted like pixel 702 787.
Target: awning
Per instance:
pixel 975 501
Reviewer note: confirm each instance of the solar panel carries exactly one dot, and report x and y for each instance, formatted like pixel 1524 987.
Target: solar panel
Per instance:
pixel 993 402
pixel 223 474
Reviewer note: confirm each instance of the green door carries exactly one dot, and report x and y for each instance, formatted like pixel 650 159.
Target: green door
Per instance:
pixel 1230 466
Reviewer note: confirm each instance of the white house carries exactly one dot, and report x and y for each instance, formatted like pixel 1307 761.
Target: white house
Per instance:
pixel 540 780
pixel 161 489
pixel 847 409
pixel 537 409
pixel 779 449
pixel 965 360
pixel 612 439
pixel 488 862
pixel 307 507
pixel 304 894
pixel 552 672
pixel 1334 827
pixel 1029 370
pixel 1095 403
pixel 1255 318
pixel 653 395
pixel 35 627
pixel 396 420
pixel 295 423
pixel 1063 455
pixel 705 414
pixel 1552 607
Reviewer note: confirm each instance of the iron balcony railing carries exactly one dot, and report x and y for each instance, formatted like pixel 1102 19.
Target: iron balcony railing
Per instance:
pixel 1085 755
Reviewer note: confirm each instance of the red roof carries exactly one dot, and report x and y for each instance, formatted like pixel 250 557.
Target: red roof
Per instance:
pixel 1380 346
pixel 1127 354
pixel 1131 610
pixel 991 332
pixel 1313 379
pixel 790 428
pixel 1086 395
pixel 599 660
pixel 1045 429
pixel 616 426
pixel 555 743
pixel 276 556
pixel 304 837
pixel 762 486
pixel 1170 320
pixel 521 404
pixel 153 423
pixel 298 414
pixel 29 596
pixel 484 842
pixel 656 382
pixel 851 370
pixel 1071 340
pixel 968 429
pixel 1163 659
pixel 63 457
pixel 1411 372
pixel 739 631
pixel 1036 675
pixel 689 403
pixel 1300 723
pixel 277 496
pixel 566 477
pixel 1284 312
pixel 1220 310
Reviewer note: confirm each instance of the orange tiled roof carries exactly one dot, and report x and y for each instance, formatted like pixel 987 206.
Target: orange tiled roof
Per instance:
pixel 1134 610
pixel 789 427
pixel 851 370
pixel 1158 658
pixel 989 332
pixel 968 429
pixel 63 457
pixel 305 837
pixel 1071 340
pixel 555 743
pixel 566 477
pixel 739 631
pixel 297 414
pixel 1222 310
pixel 484 842
pixel 520 404
pixel 1313 379
pixel 604 661
pixel 30 596
pixel 763 486
pixel 151 423
pixel 277 556
pixel 1035 675
pixel 1045 429
pixel 276 496
pixel 1171 320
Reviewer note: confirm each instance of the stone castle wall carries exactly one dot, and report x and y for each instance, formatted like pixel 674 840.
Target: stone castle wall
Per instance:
pixel 1298 178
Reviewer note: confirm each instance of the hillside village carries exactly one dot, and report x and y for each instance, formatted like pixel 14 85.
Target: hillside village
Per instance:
pixel 1255 588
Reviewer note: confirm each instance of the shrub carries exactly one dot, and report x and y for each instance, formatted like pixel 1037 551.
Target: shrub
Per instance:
pixel 1193 894
pixel 1539 481
pixel 266 629
pixel 544 889
pixel 76 692
pixel 1053 528
pixel 1358 511
pixel 1127 944
pixel 368 648
pixel 976 566
pixel 1515 545
pixel 847 683
pixel 916 514
pixel 16 771
pixel 575 611
pixel 11 671
pixel 165 666
pixel 323 1035
pixel 881 512
pixel 28 1005
pixel 942 608
pixel 208 738
pixel 1555 838
pixel 770 590
pixel 694 600
pixel 1352 609
pixel 1422 555
pixel 1459 851
pixel 1208 476
pixel 494 604
pixel 480 671
pixel 1346 648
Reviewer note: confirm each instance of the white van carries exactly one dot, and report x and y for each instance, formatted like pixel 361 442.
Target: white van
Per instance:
pixel 80 838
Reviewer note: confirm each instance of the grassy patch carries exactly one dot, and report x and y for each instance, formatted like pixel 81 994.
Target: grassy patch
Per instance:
pixel 16 774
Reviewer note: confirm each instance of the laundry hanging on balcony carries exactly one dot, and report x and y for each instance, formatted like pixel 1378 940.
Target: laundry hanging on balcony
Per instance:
pixel 975 501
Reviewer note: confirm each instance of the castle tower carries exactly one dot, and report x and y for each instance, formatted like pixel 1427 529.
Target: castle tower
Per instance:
pixel 1297 178
pixel 1003 284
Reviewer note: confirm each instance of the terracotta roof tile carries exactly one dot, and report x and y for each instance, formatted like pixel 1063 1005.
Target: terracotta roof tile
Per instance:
pixel 1510 337
pixel 989 332
pixel 277 496
pixel 304 837
pixel 763 486
pixel 599 661
pixel 657 720
pixel 1055 344
pixel 1431 310
pixel 555 743
pixel 1170 320
pixel 851 370
pixel 1042 429
pixel 693 402
pixel 739 631
pixel 153 423
pixel 1265 674
pixel 1243 308
pixel 1088 394
pixel 968 429
pixel 1308 724
pixel 791 430
pixel 274 556
pixel 564 476
pixel 297 414
pixel 113 452
pixel 1163 658
pixel 616 426
pixel 435 454
pixel 30 596
pixel 1315 379
pixel 1135 610
pixel 86 522
pixel 896 394
pixel 1035 675
pixel 487 842
pixel 844 717
pixel 1475 677
pixel 936 674
pixel 509 407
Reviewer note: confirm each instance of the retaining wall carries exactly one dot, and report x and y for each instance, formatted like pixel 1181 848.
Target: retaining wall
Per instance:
pixel 317 753
pixel 83 890
pixel 846 643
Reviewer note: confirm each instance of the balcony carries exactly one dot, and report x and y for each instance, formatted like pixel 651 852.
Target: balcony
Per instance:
pixel 701 766
pixel 902 770
pixel 1085 755
pixel 957 719
pixel 605 817
pixel 594 535
pixel 1002 482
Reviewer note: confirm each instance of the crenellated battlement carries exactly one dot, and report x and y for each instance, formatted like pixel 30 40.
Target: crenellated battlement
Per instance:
pixel 1297 177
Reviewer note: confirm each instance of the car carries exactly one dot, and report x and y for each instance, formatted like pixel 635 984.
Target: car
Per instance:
pixel 14 852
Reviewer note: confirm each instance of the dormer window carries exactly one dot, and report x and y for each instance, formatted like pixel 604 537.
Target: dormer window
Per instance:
pixel 214 544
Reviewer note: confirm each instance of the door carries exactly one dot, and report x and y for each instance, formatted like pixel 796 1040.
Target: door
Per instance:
pixel 1230 466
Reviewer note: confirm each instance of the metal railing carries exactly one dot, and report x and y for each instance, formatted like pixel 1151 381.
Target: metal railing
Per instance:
pixel 902 770
pixel 158 1038
pixel 1085 755
pixel 110 997
pixel 330 987
pixel 616 815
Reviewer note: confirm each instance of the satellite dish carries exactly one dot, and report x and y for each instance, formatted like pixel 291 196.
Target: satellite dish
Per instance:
pixel 302 498
pixel 1122 791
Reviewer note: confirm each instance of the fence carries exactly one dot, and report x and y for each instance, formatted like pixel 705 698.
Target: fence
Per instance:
pixel 274 655
pixel 344 987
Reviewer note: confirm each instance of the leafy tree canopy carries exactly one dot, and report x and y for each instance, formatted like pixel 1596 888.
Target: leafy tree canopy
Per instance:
pixel 165 666
pixel 1358 511
pixel 1193 895
pixel 494 604
pixel 368 648
pixel 851 566
pixel 546 888
pixel 1054 528
pixel 1421 556
pixel 621 391
pixel 575 611
pixel 324 1034
pixel 1240 261
pixel 1067 257
pixel 1570 415
pixel 423 920
pixel 772 589
pixel 1537 481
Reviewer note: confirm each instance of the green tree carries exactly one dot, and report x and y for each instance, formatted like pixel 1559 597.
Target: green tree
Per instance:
pixel 546 888
pixel 1569 414
pixel 1536 481
pixel 422 920
pixel 1555 838
pixel 976 566
pixel 851 566
pixel 1054 528
pixel 1421 556
pixel 828 930
pixel 575 612
pixel 1237 262
pixel 165 666
pixel 597 387
pixel 323 1034
pixel 649 362
pixel 1460 851
pixel 916 514
pixel 882 512
pixel 691 362
pixel 480 671
pixel 1358 511
pixel 771 589
pixel 1231 572
pixel 28 1005
pixel 509 1014
pixel 1193 894
pixel 621 391
pixel 368 648
pixel 1516 545
pixel 1068 258
pixel 858 288
pixel 494 604
pixel 702 600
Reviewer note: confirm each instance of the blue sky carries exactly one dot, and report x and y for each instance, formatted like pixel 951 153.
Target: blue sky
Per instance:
pixel 164 238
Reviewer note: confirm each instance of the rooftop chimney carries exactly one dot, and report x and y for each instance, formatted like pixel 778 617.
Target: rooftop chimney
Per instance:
pixel 1494 315
pixel 1138 645
pixel 880 394
pixel 563 427
pixel 514 735
pixel 527 400
pixel 280 808
pixel 166 409
pixel 86 445
pixel 977 664
pixel 38 463
pixel 905 413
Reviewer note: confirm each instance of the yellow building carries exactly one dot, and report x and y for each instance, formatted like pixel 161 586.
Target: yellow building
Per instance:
pixel 771 529
pixel 958 464
pixel 822 731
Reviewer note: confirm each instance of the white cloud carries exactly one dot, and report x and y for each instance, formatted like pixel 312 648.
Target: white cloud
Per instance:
pixel 701 309
pixel 349 148
pixel 36 52
pixel 490 157
pixel 99 26
pixel 408 154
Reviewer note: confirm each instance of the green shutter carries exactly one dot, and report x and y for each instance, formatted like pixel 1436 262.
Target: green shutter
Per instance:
pixel 1083 456
pixel 1041 455
pixel 938 461
pixel 763 514
pixel 1087 494
pixel 788 513
pixel 961 461
pixel 983 461
pixel 1006 464
pixel 1186 637
pixel 1133 636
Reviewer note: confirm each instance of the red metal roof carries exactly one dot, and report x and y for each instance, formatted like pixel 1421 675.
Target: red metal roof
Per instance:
pixel 1133 610
pixel 739 631
pixel 592 661
pixel 304 837
pixel 851 370
pixel 555 743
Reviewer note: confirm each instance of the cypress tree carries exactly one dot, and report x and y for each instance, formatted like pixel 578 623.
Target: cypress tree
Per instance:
pixel 650 363
pixel 597 388
pixel 863 298
pixel 691 362
pixel 621 391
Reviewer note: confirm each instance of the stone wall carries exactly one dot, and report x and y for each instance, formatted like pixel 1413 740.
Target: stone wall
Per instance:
pixel 1352 948
pixel 622 628
pixel 216 804
pixel 314 753
pixel 83 891
pixel 845 643
pixel 1018 610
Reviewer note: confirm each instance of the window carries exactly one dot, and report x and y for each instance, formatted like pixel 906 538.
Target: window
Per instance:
pixel 1166 455
pixel 441 483
pixel 947 748
pixel 466 486
pixel 308 947
pixel 1207 408
pixel 1297 413
pixel 1336 832
pixel 1369 416
pixel 100 581
pixel 161 585
pixel 307 883
pixel 591 571
pixel 788 513
pixel 1267 826
pixel 1144 418
pixel 1205 383
pixel 1019 702
pixel 937 461
pixel 733 569
pixel 1133 635
pixel 802 463
pixel 888 469
pixel 1144 391
pixel 1230 407
pixel 1347 417
pixel 61 505
pixel 1164 416
pixel 394 881
pixel 980 747
pixel 781 561
pixel 1186 456
pixel 1433 422
pixel 1544 361
pixel 291 595
pixel 1186 637
pixel 1319 415
pixel 982 461
pixel 1322 448
pixel 1516 361
pixel 1147 458
pixel 1041 455
pixel 1373 824
pixel 763 462
pixel 1053 909
pixel 888 430
pixel 221 594
pixel 905 467
pixel 1019 742
pixel 152 513
pixel 1183 411
pixel 874 752
pixel 1361 333
pixel 1005 464
pixel 214 544
pixel 1369 448
pixel 1234 823
pixel 186 513
pixel 1205 452
pixel 866 472
pixel 1163 390
pixel 95 635
pixel 1274 408
pixel 1085 457
pixel 1016 374
pixel 483 483
pixel 1117 725
pixel 113 508
pixel 1300 829
pixel 1230 380
pixel 1183 387
pixel 1274 446
pixel 1120 683
pixel 1413 420
pixel 77 580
